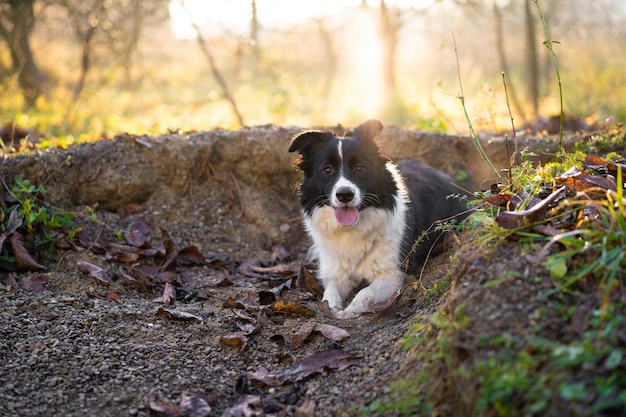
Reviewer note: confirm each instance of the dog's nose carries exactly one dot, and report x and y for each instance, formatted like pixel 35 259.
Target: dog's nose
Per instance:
pixel 345 195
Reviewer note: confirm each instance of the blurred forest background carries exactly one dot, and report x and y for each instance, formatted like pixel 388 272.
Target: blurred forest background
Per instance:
pixel 79 69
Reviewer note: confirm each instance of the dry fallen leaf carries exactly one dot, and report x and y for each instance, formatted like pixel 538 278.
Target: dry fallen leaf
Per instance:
pixel 237 339
pixel 173 315
pixel 298 338
pixel 246 323
pixel 388 308
pixel 223 280
pixel 34 283
pixel 306 280
pixel 335 359
pixel 577 180
pixel 191 255
pixel 137 233
pixel 11 284
pixel 280 269
pixel 23 259
pixel 169 295
pixel 14 222
pixel 334 333
pixel 264 377
pixel 95 272
pixel 171 251
pixel 515 219
pixel 292 307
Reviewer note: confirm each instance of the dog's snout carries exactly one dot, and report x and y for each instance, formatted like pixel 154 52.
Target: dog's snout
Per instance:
pixel 345 195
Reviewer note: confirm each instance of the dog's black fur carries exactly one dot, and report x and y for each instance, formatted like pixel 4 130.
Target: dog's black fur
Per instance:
pixel 349 173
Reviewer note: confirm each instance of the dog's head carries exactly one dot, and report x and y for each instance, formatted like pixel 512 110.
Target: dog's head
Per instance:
pixel 346 173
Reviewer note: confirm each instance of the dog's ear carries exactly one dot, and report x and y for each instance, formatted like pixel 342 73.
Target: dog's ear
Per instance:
pixel 368 129
pixel 308 140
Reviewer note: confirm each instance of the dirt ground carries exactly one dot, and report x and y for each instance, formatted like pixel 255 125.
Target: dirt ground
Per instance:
pixel 212 312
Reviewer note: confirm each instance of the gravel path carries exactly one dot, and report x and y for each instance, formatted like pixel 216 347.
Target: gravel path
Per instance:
pixel 70 350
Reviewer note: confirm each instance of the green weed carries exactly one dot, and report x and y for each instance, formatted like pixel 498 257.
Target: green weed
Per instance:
pixel 40 223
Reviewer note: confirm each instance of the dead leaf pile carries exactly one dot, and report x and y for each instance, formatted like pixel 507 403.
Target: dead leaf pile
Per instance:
pixel 571 201
pixel 142 265
pixel 24 261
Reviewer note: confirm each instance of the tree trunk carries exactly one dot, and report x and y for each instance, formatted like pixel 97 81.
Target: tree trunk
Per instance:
pixel 389 35
pixel 331 63
pixel 30 77
pixel 217 73
pixel 497 15
pixel 390 26
pixel 532 59
pixel 254 38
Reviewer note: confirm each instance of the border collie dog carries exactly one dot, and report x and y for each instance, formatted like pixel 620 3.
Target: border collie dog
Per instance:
pixel 364 214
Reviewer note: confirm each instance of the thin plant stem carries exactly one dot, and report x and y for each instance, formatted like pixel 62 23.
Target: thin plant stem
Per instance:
pixel 473 135
pixel 510 158
pixel 555 61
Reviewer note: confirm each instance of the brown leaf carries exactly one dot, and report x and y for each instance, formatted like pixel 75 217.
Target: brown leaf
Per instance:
pixel 515 219
pixel 237 339
pixel 124 253
pixel 171 251
pixel 331 359
pixel 264 377
pixel 223 280
pixel 577 180
pixel 14 222
pixel 230 302
pixel 298 338
pixel 146 273
pixel 169 295
pixel 280 269
pixel 166 277
pixel 217 260
pixel 593 160
pixel 269 297
pixel 612 167
pixel 175 315
pixel 112 295
pixel 128 209
pixel 192 255
pixel 499 200
pixel 137 233
pixel 95 272
pixel 388 308
pixel 11 284
pixel 23 259
pixel 246 323
pixel 292 307
pixel 334 333
pixel 306 280
pixel 34 283
pixel 335 359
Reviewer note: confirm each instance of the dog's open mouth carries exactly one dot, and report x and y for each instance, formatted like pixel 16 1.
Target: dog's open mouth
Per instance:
pixel 346 216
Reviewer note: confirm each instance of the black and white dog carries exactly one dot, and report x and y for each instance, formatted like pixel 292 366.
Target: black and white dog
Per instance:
pixel 364 214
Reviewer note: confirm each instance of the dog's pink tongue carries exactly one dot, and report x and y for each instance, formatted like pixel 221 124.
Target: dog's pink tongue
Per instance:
pixel 346 216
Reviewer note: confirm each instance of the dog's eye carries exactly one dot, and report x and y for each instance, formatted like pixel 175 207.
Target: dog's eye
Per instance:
pixel 328 170
pixel 360 169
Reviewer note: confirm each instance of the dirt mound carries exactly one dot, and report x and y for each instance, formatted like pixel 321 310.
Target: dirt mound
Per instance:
pixel 241 332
